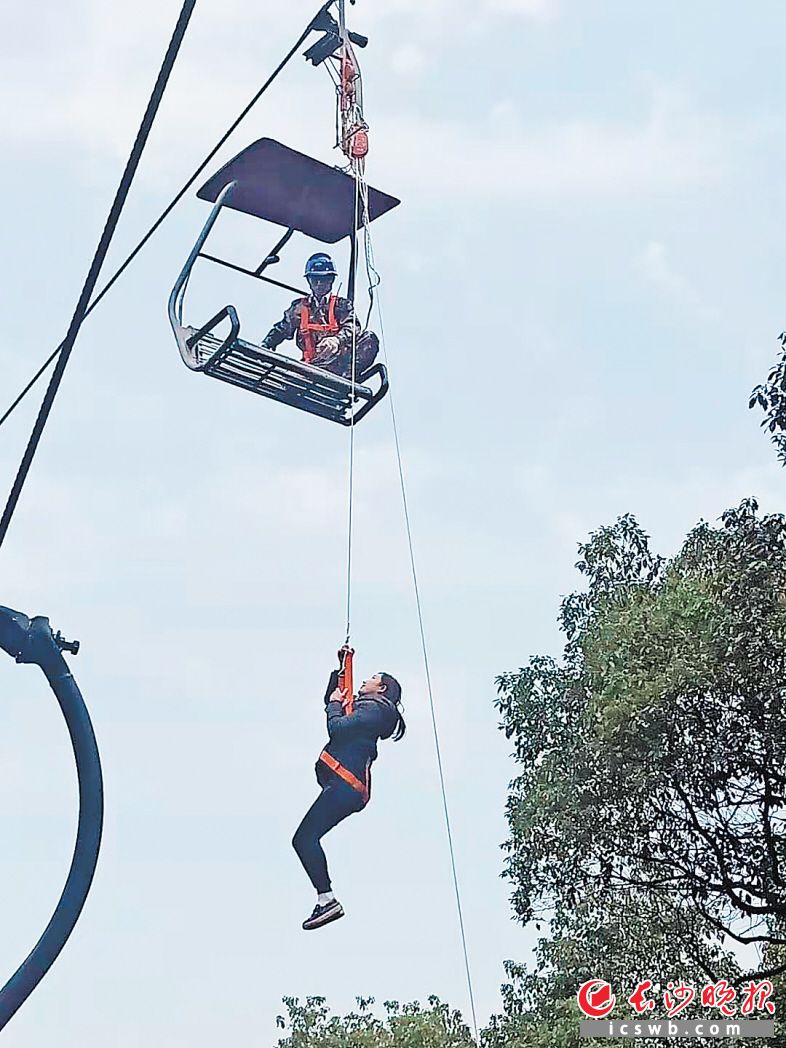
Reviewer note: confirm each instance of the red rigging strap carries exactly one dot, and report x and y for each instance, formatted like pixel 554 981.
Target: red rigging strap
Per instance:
pixel 354 129
pixel 349 74
pixel 308 327
pixel 345 682
pixel 358 143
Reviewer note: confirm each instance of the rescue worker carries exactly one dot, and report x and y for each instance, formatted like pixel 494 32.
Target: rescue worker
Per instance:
pixel 324 325
pixel 343 770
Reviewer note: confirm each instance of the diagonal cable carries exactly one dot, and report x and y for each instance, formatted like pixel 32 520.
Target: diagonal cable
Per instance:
pixel 426 660
pixel 177 198
pixel 98 260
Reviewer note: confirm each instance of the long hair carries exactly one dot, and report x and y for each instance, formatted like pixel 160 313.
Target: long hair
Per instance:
pixel 393 693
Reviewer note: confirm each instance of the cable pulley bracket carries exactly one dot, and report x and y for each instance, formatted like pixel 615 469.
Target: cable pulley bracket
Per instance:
pixel 328 45
pixel 31 640
pixel 71 646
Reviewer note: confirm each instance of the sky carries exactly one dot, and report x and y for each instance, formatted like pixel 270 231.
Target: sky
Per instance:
pixel 581 286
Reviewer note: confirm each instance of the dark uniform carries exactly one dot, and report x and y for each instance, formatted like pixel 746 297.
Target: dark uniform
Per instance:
pixel 310 321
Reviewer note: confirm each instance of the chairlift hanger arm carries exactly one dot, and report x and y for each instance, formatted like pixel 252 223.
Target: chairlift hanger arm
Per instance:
pixel 175 305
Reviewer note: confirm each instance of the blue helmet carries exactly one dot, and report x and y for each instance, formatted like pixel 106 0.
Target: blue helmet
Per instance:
pixel 320 265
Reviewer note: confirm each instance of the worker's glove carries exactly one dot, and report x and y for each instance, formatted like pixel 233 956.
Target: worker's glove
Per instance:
pixel 327 349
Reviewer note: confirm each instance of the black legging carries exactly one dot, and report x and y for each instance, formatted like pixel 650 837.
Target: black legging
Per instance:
pixel 334 804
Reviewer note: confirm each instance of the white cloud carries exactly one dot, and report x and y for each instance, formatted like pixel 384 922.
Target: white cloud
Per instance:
pixel 408 61
pixel 671 146
pixel 453 13
pixel 91 94
pixel 87 100
pixel 527 8
pixel 505 118
pixel 655 264
pixel 102 89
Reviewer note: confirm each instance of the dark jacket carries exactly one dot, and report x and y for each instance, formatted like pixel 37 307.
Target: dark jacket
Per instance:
pixel 289 325
pixel 353 737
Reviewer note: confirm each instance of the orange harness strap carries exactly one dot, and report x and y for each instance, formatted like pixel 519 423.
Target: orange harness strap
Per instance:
pixel 346 775
pixel 308 327
pixel 345 683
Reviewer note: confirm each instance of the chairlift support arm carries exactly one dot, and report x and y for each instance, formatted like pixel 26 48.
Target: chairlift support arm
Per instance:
pixel 32 641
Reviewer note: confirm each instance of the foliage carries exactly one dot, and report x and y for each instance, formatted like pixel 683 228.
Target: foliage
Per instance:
pixel 310 1025
pixel 771 398
pixel 648 817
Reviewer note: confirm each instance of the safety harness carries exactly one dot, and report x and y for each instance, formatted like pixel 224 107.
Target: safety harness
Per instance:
pixel 346 775
pixel 345 680
pixel 347 689
pixel 308 328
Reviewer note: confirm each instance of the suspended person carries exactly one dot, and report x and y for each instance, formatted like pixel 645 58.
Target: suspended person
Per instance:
pixel 324 325
pixel 343 770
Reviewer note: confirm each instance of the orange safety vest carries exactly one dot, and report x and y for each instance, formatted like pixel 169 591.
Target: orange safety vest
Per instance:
pixel 308 327
pixel 346 775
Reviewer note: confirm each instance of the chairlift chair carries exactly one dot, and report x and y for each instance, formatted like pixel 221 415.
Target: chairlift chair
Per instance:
pixel 273 182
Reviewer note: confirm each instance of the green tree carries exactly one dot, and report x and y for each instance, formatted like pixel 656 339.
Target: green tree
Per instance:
pixel 770 396
pixel 311 1025
pixel 647 821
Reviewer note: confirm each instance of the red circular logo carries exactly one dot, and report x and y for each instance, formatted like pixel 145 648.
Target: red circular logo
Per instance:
pixel 596 999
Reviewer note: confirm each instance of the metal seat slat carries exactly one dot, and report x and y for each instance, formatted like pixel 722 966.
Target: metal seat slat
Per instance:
pixel 276 376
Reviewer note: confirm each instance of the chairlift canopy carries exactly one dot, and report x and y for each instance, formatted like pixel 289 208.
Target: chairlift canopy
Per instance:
pixel 293 190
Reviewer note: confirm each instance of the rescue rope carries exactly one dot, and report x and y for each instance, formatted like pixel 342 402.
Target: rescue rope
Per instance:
pixel 357 172
pixel 351 489
pixel 374 279
pixel 176 199
pixel 374 282
pixel 83 304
